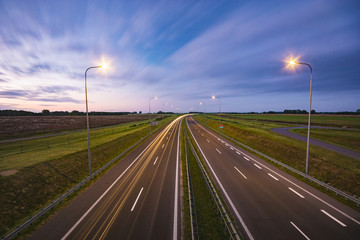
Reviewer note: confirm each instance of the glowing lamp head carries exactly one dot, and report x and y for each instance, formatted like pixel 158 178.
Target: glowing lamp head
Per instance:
pixel 103 66
pixel 292 62
pixel 213 97
pixel 155 98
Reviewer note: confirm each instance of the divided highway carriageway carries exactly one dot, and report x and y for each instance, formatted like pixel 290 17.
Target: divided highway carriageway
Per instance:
pixel 268 203
pixel 139 198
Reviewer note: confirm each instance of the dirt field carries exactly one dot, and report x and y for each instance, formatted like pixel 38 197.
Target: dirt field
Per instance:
pixel 25 126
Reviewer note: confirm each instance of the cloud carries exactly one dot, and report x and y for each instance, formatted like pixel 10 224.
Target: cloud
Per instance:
pixel 60 100
pixel 245 51
pixel 42 94
pixel 181 51
pixel 14 94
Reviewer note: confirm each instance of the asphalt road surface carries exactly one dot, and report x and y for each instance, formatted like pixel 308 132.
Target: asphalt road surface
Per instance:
pixel 268 203
pixel 286 132
pixel 137 199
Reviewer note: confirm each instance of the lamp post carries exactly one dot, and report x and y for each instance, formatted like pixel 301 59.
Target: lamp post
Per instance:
pixel 213 97
pixel 293 62
pixel 150 111
pixel 87 119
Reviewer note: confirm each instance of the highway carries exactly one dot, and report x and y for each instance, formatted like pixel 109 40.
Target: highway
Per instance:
pixel 268 203
pixel 137 199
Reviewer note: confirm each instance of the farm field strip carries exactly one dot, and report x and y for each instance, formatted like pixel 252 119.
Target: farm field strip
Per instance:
pixel 13 127
pixel 352 121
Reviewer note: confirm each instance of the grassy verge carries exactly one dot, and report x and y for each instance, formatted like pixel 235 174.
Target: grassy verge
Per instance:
pixel 335 169
pixel 343 138
pixel 35 186
pixel 14 155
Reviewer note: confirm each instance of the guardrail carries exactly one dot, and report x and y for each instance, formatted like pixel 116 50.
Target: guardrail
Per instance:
pixel 39 214
pixel 229 226
pixel 312 179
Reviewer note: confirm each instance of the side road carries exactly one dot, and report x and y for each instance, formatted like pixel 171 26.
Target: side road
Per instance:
pixel 286 132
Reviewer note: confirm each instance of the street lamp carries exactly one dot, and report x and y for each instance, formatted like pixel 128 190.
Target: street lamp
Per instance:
pixel 150 111
pixel 292 63
pixel 87 117
pixel 213 97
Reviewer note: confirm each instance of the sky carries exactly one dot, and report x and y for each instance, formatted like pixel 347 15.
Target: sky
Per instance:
pixel 182 52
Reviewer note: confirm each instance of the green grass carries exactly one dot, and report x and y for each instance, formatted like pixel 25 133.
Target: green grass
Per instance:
pixel 345 138
pixel 15 155
pixel 185 199
pixel 335 169
pixel 302 119
pixel 33 187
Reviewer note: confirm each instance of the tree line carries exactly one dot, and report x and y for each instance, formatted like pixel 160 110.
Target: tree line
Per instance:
pixel 47 112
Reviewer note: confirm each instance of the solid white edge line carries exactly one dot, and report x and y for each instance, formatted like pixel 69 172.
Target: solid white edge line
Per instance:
pixel 175 225
pixel 300 230
pixel 296 192
pixel 333 218
pixel 257 166
pixel 273 177
pixel 313 195
pixel 137 199
pixel 240 172
pixel 223 190
pixel 218 150
pixel 156 160
pixel 107 190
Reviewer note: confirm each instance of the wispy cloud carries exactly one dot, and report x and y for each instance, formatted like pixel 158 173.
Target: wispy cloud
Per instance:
pixel 183 51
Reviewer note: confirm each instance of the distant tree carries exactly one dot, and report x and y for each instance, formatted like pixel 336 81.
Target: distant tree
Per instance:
pixel 16 113
pixel 45 112
pixel 140 112
pixel 297 111
pixel 358 111
pixel 75 112
pixel 313 111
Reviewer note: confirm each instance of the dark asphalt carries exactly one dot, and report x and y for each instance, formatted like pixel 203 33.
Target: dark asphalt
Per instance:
pixel 136 199
pixel 286 132
pixel 268 203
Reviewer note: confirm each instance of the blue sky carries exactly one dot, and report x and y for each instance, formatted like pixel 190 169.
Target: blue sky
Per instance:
pixel 183 52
